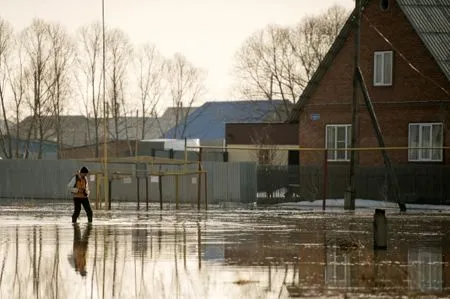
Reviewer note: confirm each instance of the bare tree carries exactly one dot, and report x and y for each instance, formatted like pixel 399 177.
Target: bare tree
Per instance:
pixel 89 62
pixel 313 36
pixel 150 66
pixel 267 68
pixel 6 45
pixel 17 81
pixel 62 58
pixel 267 153
pixel 185 84
pixel 277 62
pixel 37 45
pixel 119 53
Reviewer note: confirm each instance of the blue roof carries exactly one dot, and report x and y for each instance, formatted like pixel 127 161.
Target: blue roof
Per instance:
pixel 208 121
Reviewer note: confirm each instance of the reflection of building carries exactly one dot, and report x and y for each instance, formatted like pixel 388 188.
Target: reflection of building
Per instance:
pixel 425 267
pixel 325 262
pixel 337 269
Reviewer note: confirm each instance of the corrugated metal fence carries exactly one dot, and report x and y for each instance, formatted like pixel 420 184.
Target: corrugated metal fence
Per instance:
pixel 47 179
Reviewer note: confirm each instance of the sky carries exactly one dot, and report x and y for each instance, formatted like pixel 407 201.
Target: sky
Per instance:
pixel 206 32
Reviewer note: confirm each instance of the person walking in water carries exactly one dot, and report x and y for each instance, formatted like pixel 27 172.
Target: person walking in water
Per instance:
pixel 81 195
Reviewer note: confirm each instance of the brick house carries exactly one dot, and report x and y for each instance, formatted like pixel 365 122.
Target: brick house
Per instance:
pixel 405 61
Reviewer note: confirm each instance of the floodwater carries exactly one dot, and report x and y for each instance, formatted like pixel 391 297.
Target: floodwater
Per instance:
pixel 219 253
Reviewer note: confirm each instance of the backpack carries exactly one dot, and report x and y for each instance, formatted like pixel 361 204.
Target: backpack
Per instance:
pixel 71 186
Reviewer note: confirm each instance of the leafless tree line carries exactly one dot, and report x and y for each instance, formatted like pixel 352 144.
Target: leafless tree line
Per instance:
pixel 45 72
pixel 276 62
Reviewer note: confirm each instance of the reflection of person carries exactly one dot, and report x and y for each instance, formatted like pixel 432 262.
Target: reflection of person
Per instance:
pixel 80 245
pixel 81 195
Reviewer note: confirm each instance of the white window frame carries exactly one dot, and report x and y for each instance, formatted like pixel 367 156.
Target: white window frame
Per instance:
pixel 381 55
pixel 333 154
pixel 421 152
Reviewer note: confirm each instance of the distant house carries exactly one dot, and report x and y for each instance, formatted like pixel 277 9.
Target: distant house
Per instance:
pixel 78 130
pixel 137 128
pixel 405 61
pixel 29 149
pixel 265 143
pixel 115 148
pixel 75 129
pixel 207 122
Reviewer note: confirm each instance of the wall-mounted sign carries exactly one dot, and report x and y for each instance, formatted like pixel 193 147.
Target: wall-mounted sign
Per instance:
pixel 315 116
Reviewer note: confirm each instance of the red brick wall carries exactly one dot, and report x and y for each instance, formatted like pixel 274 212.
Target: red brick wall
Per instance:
pixel 333 96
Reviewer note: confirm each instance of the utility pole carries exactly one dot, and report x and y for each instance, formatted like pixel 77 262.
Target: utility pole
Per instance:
pixel 349 198
pixel 360 87
pixel 105 125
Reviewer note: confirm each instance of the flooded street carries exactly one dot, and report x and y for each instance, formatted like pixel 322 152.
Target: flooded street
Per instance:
pixel 219 253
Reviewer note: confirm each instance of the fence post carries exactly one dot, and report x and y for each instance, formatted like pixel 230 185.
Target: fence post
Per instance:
pixel 199 183
pixel 138 189
pixel 177 193
pixel 160 191
pixel 109 192
pixel 206 190
pixel 325 178
pixel 146 192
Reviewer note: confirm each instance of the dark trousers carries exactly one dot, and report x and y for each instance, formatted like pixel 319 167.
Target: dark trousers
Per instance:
pixel 87 207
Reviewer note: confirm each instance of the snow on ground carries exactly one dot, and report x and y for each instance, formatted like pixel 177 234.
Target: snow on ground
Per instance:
pixel 361 203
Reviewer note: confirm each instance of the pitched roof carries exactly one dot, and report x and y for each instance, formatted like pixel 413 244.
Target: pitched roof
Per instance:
pixel 429 18
pixel 208 121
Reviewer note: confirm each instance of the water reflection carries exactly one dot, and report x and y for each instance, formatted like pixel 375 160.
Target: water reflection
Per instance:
pixel 80 246
pixel 187 256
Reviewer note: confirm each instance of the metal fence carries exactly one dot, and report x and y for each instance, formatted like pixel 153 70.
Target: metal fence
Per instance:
pixel 231 182
pixel 48 179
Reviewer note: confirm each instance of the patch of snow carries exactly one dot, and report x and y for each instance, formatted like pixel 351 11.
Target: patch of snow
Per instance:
pixel 360 204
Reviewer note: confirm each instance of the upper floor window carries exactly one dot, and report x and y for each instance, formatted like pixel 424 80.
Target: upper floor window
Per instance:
pixel 338 137
pixel 423 138
pixel 382 70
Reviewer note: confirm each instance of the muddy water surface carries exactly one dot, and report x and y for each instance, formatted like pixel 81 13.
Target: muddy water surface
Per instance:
pixel 219 253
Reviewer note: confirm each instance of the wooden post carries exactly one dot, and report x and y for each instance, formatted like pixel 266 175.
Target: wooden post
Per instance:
pixel 379 229
pixel 325 179
pixel 97 187
pixel 185 154
pixel 349 198
pixel 199 245
pixel 109 192
pixel 138 195
pixel 199 183
pixel 146 192
pixel 379 135
pixel 177 193
pixel 160 192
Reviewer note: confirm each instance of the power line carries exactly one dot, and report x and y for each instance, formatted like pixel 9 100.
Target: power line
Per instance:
pixel 411 65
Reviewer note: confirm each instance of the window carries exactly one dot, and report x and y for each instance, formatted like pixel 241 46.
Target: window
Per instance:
pixel 382 70
pixel 338 137
pixel 422 138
